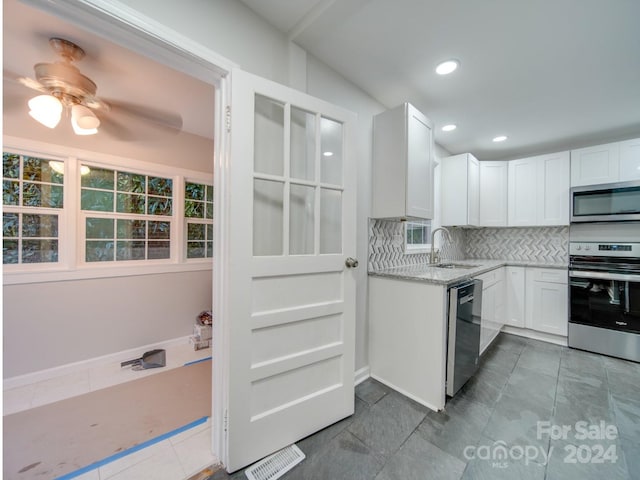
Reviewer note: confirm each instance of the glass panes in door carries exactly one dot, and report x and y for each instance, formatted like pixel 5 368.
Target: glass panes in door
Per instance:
pixel 298 177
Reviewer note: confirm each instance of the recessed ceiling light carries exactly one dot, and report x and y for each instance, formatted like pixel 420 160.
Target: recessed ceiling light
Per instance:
pixel 449 128
pixel 500 138
pixel 327 154
pixel 447 67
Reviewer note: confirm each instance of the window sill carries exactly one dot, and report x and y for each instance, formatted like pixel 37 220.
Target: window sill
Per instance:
pixel 414 249
pixel 106 271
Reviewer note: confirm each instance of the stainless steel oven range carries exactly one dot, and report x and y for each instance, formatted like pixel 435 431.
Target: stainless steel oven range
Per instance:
pixel 604 298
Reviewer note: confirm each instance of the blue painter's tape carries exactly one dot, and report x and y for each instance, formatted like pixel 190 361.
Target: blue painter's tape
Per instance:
pixel 206 359
pixel 131 450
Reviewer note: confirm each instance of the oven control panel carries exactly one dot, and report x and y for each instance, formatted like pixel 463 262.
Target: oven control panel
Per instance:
pixel 605 249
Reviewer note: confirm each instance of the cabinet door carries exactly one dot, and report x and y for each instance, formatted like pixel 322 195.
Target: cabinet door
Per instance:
pixel 487 316
pixel 630 160
pixel 454 190
pixel 493 194
pixel 594 165
pixel 547 301
pixel 553 189
pixel 515 296
pixel 522 206
pixel 420 166
pixel 473 186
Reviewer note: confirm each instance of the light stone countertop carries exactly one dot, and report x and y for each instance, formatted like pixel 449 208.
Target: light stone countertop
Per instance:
pixel 447 276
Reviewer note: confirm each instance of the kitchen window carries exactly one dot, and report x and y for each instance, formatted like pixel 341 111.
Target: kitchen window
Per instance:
pixel 33 200
pixel 417 236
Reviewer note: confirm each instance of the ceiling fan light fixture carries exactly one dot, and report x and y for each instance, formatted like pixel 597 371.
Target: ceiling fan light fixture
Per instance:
pixel 82 131
pixel 84 118
pixel 46 109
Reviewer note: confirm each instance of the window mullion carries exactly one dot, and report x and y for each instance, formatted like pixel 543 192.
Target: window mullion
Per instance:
pixel 178 222
pixel 72 228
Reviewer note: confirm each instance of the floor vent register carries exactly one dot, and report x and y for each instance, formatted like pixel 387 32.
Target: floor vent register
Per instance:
pixel 276 465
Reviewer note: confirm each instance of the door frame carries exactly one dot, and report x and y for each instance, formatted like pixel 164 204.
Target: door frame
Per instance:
pixel 123 25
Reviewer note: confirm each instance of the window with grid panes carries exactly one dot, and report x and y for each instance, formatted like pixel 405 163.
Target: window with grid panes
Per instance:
pixel 198 213
pixel 33 201
pixel 417 235
pixel 127 216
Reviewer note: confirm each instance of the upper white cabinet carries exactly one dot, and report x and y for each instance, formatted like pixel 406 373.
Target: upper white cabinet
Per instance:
pixel 460 190
pixel 538 190
pixel 630 160
pixel 402 164
pixel 553 189
pixel 594 165
pixel 610 163
pixel 493 194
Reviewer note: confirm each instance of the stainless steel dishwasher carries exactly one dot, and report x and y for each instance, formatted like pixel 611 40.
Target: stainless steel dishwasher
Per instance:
pixel 463 337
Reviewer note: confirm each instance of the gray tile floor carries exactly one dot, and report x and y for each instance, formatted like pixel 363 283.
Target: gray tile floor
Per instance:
pixel 506 423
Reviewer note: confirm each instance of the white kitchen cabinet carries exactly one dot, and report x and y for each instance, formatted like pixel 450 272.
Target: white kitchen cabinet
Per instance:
pixel 493 194
pixel 407 338
pixel 553 189
pixel 538 190
pixel 630 160
pixel 594 165
pixel 547 300
pixel 515 296
pixel 522 192
pixel 402 164
pixel 492 316
pixel 460 190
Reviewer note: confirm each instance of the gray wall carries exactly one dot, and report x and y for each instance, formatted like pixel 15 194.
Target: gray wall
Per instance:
pixel 52 324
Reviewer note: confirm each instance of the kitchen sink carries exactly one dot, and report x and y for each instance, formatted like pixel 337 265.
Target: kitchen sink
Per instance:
pixel 454 265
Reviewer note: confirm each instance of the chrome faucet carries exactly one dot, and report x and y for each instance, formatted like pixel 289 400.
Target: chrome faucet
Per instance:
pixel 432 255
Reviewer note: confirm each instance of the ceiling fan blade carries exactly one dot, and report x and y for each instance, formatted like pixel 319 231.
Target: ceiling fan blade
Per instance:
pixel 172 122
pixel 115 129
pixel 23 81
pixel 32 84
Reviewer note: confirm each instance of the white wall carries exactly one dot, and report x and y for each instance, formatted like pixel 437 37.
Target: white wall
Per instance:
pixel 232 30
pixel 52 324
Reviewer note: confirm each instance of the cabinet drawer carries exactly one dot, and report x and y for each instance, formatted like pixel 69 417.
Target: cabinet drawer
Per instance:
pixel 492 277
pixel 550 275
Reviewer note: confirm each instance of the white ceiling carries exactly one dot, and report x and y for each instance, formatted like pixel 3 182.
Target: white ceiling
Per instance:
pixel 121 75
pixel 549 74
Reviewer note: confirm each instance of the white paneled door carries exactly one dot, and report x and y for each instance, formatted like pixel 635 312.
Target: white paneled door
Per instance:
pixel 291 285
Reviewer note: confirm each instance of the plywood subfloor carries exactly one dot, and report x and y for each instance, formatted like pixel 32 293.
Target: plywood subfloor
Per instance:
pixel 62 437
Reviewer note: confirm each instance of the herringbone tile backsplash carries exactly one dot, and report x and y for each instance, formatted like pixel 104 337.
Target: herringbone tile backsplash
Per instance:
pixel 386 246
pixel 537 244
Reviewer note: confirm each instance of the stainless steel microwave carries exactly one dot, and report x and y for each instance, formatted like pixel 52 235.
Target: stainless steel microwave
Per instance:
pixel 609 202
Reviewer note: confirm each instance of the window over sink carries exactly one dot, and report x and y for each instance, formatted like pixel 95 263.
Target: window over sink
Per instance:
pixel 417 236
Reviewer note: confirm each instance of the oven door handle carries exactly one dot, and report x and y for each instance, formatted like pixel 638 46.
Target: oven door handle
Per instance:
pixel 604 276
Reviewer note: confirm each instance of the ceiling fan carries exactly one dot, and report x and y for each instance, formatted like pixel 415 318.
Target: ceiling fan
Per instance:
pixel 64 87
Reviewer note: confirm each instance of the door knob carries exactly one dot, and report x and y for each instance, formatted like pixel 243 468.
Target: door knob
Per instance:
pixel 351 262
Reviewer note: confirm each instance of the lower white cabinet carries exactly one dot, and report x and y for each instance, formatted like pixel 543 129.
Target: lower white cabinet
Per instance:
pixel 515 296
pixel 492 316
pixel 546 300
